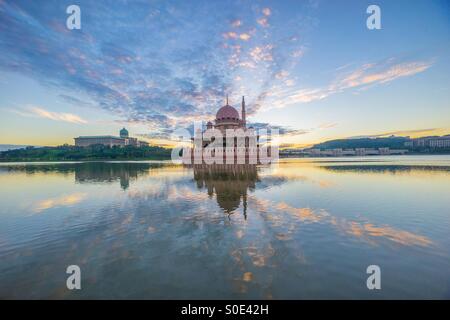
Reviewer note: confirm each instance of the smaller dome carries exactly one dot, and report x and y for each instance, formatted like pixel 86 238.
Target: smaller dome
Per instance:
pixel 124 133
pixel 209 124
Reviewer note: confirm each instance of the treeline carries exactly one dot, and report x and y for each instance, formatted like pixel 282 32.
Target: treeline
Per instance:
pixel 390 142
pixel 95 152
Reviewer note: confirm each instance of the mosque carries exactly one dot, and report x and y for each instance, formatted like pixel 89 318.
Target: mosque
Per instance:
pixel 227 120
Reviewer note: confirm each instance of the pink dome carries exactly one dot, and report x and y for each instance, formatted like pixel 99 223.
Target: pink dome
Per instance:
pixel 227 112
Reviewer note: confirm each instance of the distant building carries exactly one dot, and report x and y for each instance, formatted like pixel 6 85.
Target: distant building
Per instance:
pixel 338 152
pixel 85 141
pixel 123 140
pixel 434 142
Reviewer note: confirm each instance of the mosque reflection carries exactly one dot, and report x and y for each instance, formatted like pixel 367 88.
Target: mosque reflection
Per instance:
pixel 230 183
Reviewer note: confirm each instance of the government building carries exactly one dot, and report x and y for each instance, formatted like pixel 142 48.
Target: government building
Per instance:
pixel 122 140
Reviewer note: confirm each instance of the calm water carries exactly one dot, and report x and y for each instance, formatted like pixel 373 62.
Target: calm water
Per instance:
pixel 304 229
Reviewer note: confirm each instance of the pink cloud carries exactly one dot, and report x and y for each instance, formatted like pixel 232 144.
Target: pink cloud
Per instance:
pixel 266 11
pixel 56 116
pixel 363 77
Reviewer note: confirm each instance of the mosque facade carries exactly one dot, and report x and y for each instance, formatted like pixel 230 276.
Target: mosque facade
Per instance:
pixel 240 144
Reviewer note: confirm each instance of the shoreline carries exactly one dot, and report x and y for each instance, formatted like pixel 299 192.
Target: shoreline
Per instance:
pixel 368 158
pixel 87 161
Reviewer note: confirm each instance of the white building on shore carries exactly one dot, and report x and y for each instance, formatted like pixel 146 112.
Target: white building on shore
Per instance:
pixel 123 140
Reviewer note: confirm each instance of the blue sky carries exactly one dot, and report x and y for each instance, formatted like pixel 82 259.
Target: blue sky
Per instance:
pixel 311 68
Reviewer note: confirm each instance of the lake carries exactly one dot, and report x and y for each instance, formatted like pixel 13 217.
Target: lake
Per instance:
pixel 303 229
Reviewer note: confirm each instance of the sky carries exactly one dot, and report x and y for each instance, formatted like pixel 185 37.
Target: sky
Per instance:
pixel 311 68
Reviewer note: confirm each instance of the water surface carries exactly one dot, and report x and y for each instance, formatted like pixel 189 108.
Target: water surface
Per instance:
pixel 304 229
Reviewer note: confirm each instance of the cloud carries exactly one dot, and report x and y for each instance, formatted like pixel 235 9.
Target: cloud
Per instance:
pixel 282 74
pixel 75 101
pixel 56 116
pixel 371 73
pixel 182 72
pixel 327 125
pixel 162 79
pixel 263 22
pixel 289 82
pixel 412 133
pixel 361 78
pixel 282 130
pixel 295 145
pixel 266 11
pixel 308 95
pixel 298 53
pixel 230 35
pixel 262 53
pixel 236 23
pixel 118 63
pixel 244 36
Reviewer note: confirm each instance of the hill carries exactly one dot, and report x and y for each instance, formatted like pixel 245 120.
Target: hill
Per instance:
pixel 6 147
pixel 389 142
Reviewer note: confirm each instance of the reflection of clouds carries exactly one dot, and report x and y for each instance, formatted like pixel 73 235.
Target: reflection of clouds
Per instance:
pixel 259 256
pixel 185 194
pixel 367 230
pixel 66 200
pixel 163 216
pixel 127 220
pixel 247 277
pixel 170 185
pixel 292 172
pixel 248 261
pixel 364 231
pixel 325 184
pixel 303 214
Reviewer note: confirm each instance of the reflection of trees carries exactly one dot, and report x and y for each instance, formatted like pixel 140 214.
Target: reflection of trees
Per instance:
pixel 109 172
pixel 91 172
pixel 229 182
